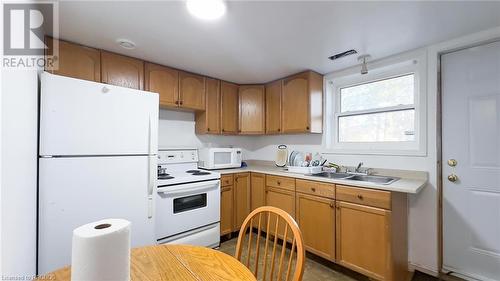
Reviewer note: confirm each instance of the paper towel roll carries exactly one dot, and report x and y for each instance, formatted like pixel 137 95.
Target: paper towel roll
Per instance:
pixel 101 251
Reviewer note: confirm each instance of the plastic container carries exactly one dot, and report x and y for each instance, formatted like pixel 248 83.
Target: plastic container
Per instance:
pixel 305 170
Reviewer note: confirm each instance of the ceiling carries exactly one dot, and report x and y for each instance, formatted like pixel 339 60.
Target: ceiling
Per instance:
pixel 259 41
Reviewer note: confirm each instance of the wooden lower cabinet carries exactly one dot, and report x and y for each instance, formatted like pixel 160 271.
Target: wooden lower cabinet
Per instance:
pixel 241 199
pixel 359 228
pixel 257 191
pixel 283 199
pixel 226 209
pixel 316 219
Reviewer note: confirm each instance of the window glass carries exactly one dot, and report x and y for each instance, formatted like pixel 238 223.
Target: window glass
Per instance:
pixel 383 93
pixel 390 126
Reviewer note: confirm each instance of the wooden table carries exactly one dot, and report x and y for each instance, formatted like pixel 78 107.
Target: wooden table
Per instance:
pixel 176 262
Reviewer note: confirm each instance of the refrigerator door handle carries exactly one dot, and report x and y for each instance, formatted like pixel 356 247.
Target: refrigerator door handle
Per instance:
pixel 152 170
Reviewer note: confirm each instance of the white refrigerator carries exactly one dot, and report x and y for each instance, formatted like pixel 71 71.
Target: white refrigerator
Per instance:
pixel 97 159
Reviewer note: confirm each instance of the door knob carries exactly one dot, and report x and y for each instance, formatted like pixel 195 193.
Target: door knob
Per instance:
pixel 452 162
pixel 452 178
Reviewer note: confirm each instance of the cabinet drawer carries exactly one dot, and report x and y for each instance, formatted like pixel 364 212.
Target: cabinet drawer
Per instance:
pixel 281 182
pixel 364 196
pixel 316 188
pixel 226 180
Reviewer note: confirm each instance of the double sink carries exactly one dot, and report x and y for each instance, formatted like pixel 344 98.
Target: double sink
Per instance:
pixel 355 177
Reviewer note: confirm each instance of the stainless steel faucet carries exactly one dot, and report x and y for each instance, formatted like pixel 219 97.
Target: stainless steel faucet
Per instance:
pixel 357 170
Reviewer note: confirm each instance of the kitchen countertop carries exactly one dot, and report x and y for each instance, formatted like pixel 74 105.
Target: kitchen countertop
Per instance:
pixel 409 182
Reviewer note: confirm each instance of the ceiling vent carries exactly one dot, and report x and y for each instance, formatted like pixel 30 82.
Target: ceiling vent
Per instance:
pixel 344 54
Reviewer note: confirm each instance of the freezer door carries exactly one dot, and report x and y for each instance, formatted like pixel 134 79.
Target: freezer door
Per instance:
pixel 80 117
pixel 76 191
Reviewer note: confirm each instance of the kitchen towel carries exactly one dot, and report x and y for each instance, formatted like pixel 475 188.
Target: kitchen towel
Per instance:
pixel 101 251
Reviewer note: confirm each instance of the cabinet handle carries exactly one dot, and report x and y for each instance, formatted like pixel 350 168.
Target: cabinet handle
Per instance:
pixel 332 205
pixel 278 182
pixel 180 102
pixel 279 129
pixel 307 128
pixel 223 130
pixel 177 102
pixel 360 197
pixel 313 189
pixel 208 129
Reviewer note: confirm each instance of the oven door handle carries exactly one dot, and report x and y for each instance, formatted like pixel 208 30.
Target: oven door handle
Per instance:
pixel 188 188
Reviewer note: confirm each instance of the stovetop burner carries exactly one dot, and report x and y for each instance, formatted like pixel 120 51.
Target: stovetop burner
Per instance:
pixel 193 171
pixel 165 177
pixel 200 173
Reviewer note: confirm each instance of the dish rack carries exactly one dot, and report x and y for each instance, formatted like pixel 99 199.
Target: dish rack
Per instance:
pixel 305 170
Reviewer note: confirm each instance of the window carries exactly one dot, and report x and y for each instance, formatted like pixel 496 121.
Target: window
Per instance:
pixel 381 112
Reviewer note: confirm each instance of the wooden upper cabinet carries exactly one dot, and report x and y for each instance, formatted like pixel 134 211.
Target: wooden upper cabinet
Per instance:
pixel 74 60
pixel 273 107
pixel 241 198
pixel 164 81
pixel 191 91
pixel 208 121
pixel 302 103
pixel 252 109
pixel 229 108
pixel 122 70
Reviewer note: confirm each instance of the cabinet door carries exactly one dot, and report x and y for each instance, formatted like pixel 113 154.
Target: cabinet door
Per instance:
pixel 252 109
pixel 164 81
pixel 122 71
pixel 226 210
pixel 257 191
pixel 295 104
pixel 75 60
pixel 273 107
pixel 283 199
pixel 241 199
pixel 316 219
pixel 363 240
pixel 229 108
pixel 191 91
pixel 208 121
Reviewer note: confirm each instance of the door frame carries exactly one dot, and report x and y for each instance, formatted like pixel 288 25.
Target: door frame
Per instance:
pixel 466 44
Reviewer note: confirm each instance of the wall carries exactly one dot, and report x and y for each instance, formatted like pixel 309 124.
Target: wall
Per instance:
pixel 176 129
pixel 18 168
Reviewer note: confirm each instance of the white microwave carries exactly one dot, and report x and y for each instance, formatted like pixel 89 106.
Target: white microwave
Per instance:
pixel 213 158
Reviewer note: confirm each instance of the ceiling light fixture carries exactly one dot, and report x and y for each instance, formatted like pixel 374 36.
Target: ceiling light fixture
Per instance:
pixel 206 9
pixel 126 44
pixel 364 67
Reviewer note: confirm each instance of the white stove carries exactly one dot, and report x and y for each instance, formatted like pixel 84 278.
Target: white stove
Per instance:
pixel 188 200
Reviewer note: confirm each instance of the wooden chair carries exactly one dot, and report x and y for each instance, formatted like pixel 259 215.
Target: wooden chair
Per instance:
pixel 263 223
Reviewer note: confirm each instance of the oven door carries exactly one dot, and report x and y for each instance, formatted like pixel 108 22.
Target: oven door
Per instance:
pixel 183 207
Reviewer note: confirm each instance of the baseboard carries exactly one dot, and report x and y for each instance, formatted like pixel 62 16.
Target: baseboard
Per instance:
pixel 433 272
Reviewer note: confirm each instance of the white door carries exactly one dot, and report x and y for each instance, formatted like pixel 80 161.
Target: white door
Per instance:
pixel 80 117
pixel 80 190
pixel 471 136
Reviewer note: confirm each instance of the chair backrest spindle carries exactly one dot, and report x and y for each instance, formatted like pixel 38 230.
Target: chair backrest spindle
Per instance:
pixel 277 225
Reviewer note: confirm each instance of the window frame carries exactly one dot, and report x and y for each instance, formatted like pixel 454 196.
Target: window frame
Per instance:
pixel 411 148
